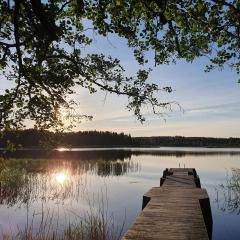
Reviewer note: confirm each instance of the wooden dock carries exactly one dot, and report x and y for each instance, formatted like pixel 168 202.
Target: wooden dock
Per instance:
pixel 178 209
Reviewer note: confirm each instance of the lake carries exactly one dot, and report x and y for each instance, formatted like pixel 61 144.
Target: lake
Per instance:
pixel 38 190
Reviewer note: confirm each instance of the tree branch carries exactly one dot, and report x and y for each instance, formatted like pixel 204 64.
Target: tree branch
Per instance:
pixel 9 45
pixel 16 35
pixel 47 23
pixel 234 8
pixel 176 38
pixel 64 5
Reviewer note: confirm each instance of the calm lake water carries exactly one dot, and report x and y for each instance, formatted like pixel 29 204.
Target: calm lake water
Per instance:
pixel 68 185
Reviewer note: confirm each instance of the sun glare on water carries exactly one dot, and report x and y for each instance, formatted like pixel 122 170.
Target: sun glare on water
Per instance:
pixel 62 149
pixel 61 177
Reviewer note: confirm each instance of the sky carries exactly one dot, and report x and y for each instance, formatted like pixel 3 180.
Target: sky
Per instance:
pixel 210 103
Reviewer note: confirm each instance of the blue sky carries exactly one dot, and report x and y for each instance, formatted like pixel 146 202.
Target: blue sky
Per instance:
pixel 210 101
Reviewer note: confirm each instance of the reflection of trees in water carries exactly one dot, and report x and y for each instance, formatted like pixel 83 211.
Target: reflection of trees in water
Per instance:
pixel 24 181
pixel 112 154
pixel 91 154
pixel 228 194
pixel 117 168
pixel 183 153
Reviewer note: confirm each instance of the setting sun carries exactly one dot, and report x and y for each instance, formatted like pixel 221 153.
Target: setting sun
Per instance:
pixel 62 149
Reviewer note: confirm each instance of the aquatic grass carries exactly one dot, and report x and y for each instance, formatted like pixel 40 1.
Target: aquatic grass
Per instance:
pixel 96 223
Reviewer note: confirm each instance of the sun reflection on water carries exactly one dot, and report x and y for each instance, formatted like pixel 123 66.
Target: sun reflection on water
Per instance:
pixel 61 177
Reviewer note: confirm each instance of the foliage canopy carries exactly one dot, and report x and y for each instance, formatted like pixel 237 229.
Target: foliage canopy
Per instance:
pixel 41 50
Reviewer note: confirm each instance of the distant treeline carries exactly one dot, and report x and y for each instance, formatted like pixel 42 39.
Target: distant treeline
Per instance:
pixel 36 138
pixel 179 141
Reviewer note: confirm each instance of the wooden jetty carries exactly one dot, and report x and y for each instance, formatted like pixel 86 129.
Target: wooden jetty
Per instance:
pixel 178 209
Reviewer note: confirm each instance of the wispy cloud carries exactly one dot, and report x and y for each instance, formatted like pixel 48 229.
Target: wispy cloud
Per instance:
pixel 225 110
pixel 230 105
